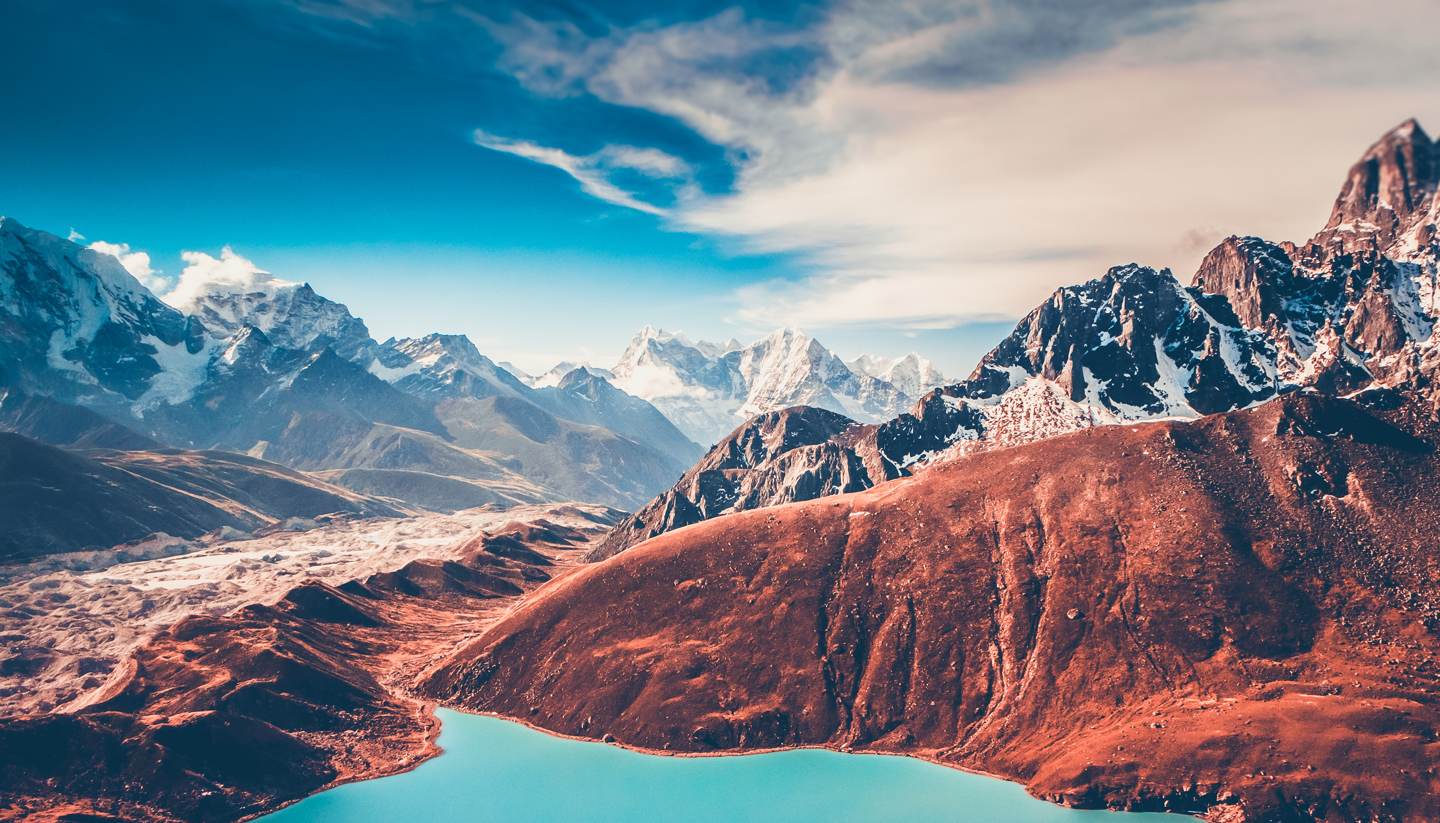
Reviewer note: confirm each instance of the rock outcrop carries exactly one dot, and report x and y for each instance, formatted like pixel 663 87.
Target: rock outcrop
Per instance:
pixel 777 457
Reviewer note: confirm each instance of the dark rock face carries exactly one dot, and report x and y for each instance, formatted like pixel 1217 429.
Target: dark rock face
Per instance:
pixel 1393 182
pixel 1239 611
pixel 775 458
pixel 1254 275
pixel 1106 339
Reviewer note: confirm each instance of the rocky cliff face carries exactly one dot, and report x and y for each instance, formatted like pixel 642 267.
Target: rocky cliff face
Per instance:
pixel 1392 185
pixel 1237 614
pixel 777 457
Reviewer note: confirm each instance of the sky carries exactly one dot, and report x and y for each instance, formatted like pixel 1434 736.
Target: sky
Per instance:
pixel 548 177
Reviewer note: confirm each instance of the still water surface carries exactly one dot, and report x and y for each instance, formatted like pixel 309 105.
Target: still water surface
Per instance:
pixel 497 770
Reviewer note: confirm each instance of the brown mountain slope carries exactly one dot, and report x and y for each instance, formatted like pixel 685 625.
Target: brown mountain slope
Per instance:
pixel 1236 614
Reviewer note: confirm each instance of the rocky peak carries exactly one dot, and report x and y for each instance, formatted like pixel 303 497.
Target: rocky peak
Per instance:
pixel 776 457
pixel 1131 343
pixel 1253 274
pixel 292 315
pixel 1395 180
pixel 774 433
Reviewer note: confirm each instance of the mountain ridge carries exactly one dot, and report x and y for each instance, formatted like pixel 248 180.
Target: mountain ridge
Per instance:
pixel 1354 307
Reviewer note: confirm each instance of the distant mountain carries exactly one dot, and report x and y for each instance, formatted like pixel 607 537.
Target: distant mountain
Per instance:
pixel 61 424
pixel 524 376
pixel 586 396
pixel 272 368
pixel 57 500
pixel 581 437
pixel 1355 307
pixel 912 374
pixel 291 315
pixel 709 389
pixel 76 326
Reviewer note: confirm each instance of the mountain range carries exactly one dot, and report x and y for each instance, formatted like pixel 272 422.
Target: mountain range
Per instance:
pixel 275 370
pixel 709 389
pixel 1354 307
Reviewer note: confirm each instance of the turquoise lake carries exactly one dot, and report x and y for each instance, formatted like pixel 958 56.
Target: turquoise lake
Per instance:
pixel 497 770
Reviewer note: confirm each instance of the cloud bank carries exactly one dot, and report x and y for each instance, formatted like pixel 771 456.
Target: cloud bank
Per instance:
pixel 932 162
pixel 136 262
pixel 229 273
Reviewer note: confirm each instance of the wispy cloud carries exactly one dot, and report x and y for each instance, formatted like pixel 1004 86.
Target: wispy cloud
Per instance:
pixel 917 154
pixel 593 171
pixel 914 155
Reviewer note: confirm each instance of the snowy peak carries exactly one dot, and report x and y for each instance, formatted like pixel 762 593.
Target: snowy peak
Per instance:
pixel 76 325
pixel 292 315
pixel 708 389
pixel 447 365
pixel 911 374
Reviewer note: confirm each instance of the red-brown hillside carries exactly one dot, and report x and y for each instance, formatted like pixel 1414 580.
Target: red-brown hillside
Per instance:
pixel 224 718
pixel 1237 614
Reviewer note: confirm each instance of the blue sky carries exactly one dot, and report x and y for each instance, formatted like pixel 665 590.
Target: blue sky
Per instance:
pixel 548 177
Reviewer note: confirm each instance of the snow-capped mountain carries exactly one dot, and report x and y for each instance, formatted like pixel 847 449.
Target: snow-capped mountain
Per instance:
pixel 270 367
pixel 443 365
pixel 912 374
pixel 292 315
pixel 557 373
pixel 709 389
pixel 74 324
pixel 448 367
pixel 1356 306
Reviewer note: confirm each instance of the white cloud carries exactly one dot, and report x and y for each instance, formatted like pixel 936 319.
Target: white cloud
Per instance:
pixel 229 273
pixel 592 171
pixel 135 262
pixel 920 199
pixel 652 162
